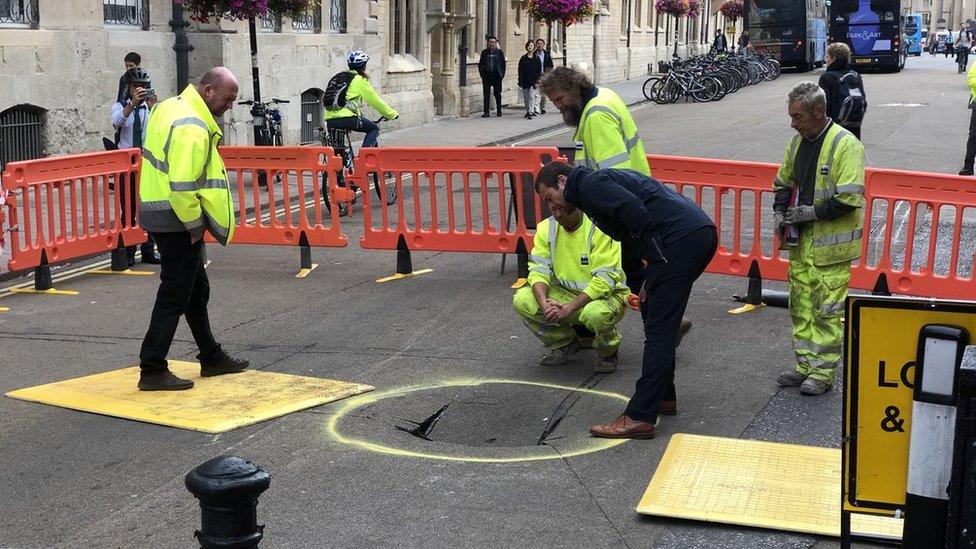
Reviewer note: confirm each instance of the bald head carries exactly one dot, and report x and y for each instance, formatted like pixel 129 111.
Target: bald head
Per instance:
pixel 218 88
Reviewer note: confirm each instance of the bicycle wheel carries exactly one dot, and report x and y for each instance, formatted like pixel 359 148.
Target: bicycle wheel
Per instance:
pixel 774 70
pixel 657 91
pixel 704 90
pixel 389 184
pixel 719 88
pixel 648 88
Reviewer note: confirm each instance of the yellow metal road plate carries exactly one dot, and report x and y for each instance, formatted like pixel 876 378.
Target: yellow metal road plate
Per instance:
pixel 753 483
pixel 213 405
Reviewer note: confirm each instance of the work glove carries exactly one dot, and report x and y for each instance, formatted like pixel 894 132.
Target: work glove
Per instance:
pixel 779 223
pixel 800 214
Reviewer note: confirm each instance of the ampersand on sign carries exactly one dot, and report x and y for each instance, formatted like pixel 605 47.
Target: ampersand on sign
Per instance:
pixel 891 423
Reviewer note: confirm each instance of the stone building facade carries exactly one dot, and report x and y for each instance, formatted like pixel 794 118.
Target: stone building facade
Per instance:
pixel 60 60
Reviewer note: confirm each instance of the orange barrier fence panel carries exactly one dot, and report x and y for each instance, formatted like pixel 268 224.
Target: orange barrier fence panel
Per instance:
pixel 278 195
pixel 451 199
pixel 737 196
pixel 68 207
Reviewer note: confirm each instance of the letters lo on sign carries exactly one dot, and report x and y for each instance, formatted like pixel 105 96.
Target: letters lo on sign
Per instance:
pixel 881 339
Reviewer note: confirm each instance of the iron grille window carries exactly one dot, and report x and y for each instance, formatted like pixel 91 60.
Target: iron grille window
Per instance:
pixel 337 16
pixel 310 21
pixel 270 22
pixel 402 32
pixel 311 114
pixel 22 13
pixel 21 134
pixel 131 13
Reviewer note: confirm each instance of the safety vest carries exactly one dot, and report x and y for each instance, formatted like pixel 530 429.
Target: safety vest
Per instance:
pixel 583 261
pixel 183 184
pixel 608 136
pixel 841 176
pixel 359 94
pixel 971 82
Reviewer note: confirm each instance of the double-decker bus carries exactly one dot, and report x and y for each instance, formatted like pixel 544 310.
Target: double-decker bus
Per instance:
pixel 873 29
pixel 793 31
pixel 913 34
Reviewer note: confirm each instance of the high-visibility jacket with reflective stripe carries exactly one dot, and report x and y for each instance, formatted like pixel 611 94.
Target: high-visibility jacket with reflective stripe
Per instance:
pixel 183 185
pixel 360 93
pixel 609 135
pixel 971 82
pixel 583 261
pixel 841 176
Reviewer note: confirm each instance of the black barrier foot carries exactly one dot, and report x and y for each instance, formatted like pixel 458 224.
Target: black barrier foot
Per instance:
pixel 43 284
pixel 404 264
pixel 306 257
pixel 120 263
pixel 228 488
pixel 753 298
pixel 881 286
pixel 523 265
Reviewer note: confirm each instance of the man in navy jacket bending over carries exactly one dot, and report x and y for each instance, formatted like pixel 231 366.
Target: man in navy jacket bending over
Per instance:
pixel 676 239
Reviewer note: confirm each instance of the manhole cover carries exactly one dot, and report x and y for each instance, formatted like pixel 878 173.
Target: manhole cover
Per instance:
pixel 487 420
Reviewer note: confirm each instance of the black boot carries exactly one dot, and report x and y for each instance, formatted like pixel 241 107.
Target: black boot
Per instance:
pixel 149 256
pixel 966 170
pixel 485 115
pixel 163 381
pixel 130 255
pixel 222 364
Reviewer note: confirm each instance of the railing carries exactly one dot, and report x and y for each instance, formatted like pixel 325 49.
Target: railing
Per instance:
pixel 20 13
pixel 130 13
pixel 310 21
pixel 337 16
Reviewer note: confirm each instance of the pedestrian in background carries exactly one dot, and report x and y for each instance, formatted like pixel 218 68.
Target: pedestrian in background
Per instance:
pixel 949 49
pixel 967 165
pixel 131 60
pixel 545 58
pixel 529 71
pixel 844 89
pixel 964 42
pixel 720 44
pixel 819 192
pixel 183 194
pixel 130 120
pixel 491 67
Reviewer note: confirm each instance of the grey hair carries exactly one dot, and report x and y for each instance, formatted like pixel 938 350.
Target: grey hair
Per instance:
pixel 809 95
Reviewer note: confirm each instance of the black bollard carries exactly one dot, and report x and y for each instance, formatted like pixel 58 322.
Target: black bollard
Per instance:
pixel 306 252
pixel 228 488
pixel 42 274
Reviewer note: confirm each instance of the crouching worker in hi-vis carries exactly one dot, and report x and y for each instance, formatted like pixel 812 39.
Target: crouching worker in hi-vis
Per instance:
pixel 575 277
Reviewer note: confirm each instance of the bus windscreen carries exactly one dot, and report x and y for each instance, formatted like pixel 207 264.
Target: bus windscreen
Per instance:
pixel 764 13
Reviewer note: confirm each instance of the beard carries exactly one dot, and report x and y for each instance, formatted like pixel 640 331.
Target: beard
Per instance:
pixel 572 114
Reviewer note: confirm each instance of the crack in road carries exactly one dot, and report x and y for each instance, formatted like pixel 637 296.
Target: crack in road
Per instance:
pixel 557 415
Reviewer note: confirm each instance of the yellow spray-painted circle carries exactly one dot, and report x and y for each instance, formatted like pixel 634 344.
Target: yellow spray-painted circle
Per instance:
pixel 521 453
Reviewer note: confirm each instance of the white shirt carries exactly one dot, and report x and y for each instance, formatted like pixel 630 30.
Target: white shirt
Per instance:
pixel 125 124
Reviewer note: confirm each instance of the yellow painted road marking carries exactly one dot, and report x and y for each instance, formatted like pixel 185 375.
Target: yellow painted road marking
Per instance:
pixel 399 276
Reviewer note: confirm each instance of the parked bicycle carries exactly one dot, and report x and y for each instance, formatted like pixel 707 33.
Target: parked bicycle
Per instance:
pixel 340 141
pixel 708 77
pixel 267 118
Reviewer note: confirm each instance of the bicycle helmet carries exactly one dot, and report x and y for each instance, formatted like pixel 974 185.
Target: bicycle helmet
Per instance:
pixel 357 59
pixel 137 75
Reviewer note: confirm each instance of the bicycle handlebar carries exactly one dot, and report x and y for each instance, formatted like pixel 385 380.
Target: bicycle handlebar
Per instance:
pixel 274 100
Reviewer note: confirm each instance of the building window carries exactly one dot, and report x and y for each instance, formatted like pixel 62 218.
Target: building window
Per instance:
pixel 19 13
pixel 337 16
pixel 129 13
pixel 21 134
pixel 310 21
pixel 311 114
pixel 401 33
pixel 270 22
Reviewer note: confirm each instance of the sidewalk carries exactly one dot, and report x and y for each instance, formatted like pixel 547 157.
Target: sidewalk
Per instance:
pixel 475 131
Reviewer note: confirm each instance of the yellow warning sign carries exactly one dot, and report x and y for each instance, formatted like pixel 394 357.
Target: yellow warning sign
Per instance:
pixel 213 405
pixel 881 345
pixel 753 483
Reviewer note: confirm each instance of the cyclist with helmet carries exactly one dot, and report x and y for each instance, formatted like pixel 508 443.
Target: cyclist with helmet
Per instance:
pixel 130 118
pixel 359 93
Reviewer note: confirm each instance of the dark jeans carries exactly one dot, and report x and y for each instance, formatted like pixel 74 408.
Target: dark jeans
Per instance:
pixel 489 83
pixel 668 287
pixel 183 290
pixel 358 124
pixel 971 142
pixel 129 203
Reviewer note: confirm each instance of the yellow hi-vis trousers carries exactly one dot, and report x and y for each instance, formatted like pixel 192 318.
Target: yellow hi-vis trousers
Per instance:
pixel 817 295
pixel 600 317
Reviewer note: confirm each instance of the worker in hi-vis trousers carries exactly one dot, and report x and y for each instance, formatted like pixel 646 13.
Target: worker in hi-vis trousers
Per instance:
pixel 575 277
pixel 817 215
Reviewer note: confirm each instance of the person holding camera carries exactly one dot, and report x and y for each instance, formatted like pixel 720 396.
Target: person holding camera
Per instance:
pixel 130 118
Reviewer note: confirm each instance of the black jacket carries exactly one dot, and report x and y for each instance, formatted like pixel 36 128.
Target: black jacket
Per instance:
pixel 830 83
pixel 720 43
pixel 635 210
pixel 546 61
pixel 499 66
pixel 529 71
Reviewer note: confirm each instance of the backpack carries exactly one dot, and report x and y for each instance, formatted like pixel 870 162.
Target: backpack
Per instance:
pixel 852 102
pixel 334 97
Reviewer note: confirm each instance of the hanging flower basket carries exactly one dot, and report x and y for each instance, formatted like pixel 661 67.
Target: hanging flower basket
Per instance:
pixel 732 9
pixel 566 12
pixel 677 8
pixel 694 8
pixel 205 10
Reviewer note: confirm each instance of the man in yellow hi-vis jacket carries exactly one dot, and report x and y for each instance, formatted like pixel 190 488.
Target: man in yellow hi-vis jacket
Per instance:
pixel 183 193
pixel 574 278
pixel 817 214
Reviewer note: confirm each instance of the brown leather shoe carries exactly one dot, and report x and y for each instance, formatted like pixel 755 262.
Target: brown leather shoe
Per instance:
pixel 668 408
pixel 623 427
pixel 683 329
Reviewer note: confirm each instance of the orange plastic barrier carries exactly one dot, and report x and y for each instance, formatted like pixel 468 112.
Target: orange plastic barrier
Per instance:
pixel 278 195
pixel 68 207
pixel 452 199
pixel 898 205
